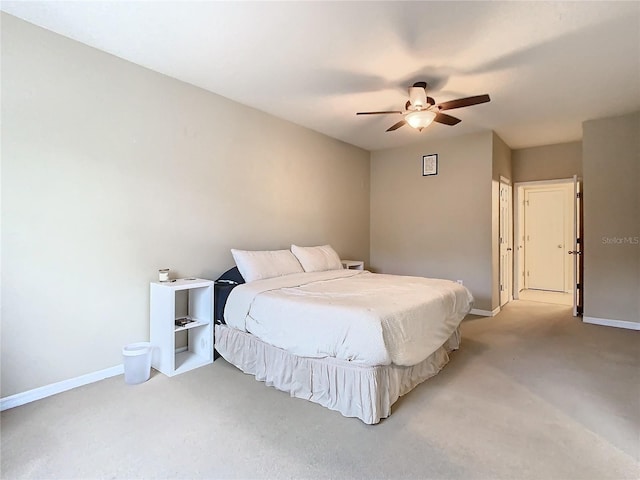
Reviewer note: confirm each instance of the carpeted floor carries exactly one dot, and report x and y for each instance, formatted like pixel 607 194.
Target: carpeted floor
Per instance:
pixel 532 394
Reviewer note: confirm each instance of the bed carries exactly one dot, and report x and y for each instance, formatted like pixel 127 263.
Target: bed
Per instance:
pixel 350 340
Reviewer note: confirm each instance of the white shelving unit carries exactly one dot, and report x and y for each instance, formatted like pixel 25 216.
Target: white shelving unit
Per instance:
pixel 199 305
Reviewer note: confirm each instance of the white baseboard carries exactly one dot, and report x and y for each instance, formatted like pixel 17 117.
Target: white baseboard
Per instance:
pixel 59 387
pixel 485 313
pixel 612 323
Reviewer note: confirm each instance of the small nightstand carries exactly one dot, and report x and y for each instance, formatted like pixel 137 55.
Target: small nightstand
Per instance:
pixel 197 296
pixel 353 264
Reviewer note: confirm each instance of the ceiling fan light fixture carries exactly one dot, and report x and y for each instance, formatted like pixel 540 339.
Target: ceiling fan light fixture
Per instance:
pixel 417 97
pixel 420 119
pixel 420 111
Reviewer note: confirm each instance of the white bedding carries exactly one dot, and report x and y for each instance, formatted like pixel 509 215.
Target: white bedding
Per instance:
pixel 358 316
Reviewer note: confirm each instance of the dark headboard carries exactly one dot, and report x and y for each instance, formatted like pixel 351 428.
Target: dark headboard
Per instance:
pixel 223 286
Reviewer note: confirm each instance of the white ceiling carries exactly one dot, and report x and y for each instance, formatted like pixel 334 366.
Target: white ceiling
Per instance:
pixel 548 66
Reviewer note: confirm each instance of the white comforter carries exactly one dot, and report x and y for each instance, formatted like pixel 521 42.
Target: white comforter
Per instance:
pixel 359 316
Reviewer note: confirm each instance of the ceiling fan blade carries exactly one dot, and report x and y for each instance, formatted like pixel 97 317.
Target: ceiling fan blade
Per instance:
pixel 378 113
pixel 396 126
pixel 464 102
pixel 446 119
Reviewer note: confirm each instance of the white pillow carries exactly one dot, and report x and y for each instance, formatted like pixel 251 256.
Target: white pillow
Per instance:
pixel 257 265
pixel 317 259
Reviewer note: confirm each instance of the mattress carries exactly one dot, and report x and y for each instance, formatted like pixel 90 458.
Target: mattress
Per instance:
pixel 354 316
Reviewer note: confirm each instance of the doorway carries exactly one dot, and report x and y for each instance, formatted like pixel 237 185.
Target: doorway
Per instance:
pixel 543 269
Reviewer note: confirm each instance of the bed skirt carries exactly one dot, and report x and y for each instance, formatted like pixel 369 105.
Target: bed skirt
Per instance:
pixel 365 392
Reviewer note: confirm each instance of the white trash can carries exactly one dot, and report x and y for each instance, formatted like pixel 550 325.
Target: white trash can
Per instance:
pixel 137 362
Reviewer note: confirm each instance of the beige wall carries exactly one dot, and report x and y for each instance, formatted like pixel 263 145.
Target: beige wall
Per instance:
pixel 548 162
pixel 111 171
pixel 435 226
pixel 611 172
pixel 502 165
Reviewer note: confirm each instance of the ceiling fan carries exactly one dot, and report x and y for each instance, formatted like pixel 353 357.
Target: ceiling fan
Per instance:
pixel 421 110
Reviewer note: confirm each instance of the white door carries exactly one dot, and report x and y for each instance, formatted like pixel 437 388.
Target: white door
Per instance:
pixel 506 247
pixel 544 239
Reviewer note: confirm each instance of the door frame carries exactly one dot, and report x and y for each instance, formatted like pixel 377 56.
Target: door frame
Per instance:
pixel 519 188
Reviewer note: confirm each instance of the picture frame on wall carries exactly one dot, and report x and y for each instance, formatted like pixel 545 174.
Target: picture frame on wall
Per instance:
pixel 429 164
